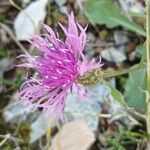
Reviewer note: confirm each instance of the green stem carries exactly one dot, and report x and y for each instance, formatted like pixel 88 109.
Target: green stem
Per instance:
pixel 148 72
pixel 9 82
pixel 121 72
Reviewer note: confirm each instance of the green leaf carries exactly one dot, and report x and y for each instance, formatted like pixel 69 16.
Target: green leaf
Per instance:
pixel 107 12
pixel 141 53
pixel 2 17
pixel 14 83
pixel 136 14
pixel 114 143
pixel 134 89
pixel 116 94
pixel 2 53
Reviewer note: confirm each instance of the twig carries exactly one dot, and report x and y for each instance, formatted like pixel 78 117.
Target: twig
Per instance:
pixel 40 144
pixel 48 134
pixel 11 137
pixel 135 114
pixel 104 115
pixel 101 45
pixel 9 31
pixel 8 137
pixel 148 72
pixel 4 140
pixel 18 127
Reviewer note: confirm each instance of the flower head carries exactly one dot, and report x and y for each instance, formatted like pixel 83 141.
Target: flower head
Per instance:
pixel 57 68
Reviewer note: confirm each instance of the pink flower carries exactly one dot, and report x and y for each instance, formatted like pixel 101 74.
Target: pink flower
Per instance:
pixel 57 68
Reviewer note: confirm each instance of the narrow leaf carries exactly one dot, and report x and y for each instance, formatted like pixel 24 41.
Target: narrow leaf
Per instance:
pixel 116 94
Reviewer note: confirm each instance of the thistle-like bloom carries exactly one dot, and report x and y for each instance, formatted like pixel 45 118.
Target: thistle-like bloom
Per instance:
pixel 57 68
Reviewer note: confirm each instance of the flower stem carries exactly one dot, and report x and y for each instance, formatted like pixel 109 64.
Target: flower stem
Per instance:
pixel 121 72
pixel 148 73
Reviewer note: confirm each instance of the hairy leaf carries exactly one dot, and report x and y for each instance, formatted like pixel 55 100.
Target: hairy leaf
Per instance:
pixel 107 12
pixel 134 89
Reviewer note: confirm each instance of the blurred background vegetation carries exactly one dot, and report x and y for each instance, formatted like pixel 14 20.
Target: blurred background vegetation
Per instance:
pixel 116 33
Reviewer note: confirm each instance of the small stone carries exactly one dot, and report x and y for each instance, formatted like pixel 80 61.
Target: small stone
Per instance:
pixel 74 135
